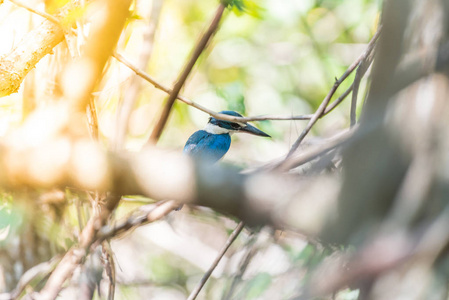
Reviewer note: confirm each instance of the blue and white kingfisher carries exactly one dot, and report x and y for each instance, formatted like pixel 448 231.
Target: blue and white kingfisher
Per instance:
pixel 212 143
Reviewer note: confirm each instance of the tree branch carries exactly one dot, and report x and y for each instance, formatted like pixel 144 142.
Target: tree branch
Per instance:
pixel 225 248
pixel 202 43
pixel 33 47
pixel 323 105
pixel 128 102
pixel 87 69
pixel 216 115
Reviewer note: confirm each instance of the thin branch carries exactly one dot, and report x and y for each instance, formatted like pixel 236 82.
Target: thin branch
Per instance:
pixel 88 68
pixel 43 14
pixel 93 119
pixel 157 131
pixel 361 70
pixel 189 102
pixel 109 266
pixel 216 115
pixel 42 269
pixel 243 265
pixel 154 214
pixel 316 151
pixel 225 248
pixel 323 105
pixel 75 255
pixel 126 105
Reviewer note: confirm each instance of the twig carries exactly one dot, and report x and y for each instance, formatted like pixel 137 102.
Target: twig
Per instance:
pixel 326 100
pixel 243 265
pixel 125 107
pixel 109 266
pixel 75 255
pixel 361 70
pixel 309 154
pixel 93 118
pixel 189 102
pixel 43 14
pixel 225 248
pixel 91 275
pixel 157 131
pixel 41 269
pixel 334 142
pixel 216 115
pixel 156 213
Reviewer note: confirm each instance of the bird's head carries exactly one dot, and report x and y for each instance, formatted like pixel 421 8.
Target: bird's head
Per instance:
pixel 217 126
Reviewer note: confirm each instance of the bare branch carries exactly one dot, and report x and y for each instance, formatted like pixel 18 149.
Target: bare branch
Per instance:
pixel 216 115
pixel 43 14
pixel 155 213
pixel 225 248
pixel 87 69
pixel 189 102
pixel 109 268
pixel 361 70
pixel 323 105
pixel 42 269
pixel 318 150
pixel 202 43
pixel 128 102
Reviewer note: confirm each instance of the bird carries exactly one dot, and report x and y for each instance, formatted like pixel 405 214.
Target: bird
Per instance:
pixel 211 143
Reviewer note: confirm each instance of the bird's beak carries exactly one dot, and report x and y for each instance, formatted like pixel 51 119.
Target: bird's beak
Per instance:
pixel 253 130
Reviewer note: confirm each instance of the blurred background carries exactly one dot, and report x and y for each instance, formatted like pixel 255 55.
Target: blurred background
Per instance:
pixel 276 57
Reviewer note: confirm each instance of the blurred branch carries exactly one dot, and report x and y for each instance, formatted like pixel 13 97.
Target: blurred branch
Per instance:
pixel 159 175
pixel 87 69
pixel 318 150
pixel 43 14
pixel 309 154
pixel 199 48
pixel 109 266
pixel 409 247
pixel 321 109
pixel 42 270
pixel 91 275
pixel 251 250
pixel 361 70
pixel 128 102
pixel 32 48
pixel 155 213
pixel 75 255
pixel 225 248
pixel 93 118
pixel 91 238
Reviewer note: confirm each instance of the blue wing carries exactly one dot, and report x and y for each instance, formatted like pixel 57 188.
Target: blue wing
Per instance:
pixel 206 146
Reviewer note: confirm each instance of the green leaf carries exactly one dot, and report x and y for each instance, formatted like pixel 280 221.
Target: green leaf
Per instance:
pixel 240 7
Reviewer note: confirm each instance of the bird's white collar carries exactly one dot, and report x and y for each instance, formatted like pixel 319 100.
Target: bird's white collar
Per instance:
pixel 214 129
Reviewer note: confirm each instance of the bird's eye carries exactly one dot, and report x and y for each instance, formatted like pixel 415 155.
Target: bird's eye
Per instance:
pixel 235 126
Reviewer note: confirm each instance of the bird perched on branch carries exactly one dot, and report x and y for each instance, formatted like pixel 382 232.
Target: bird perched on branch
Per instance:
pixel 212 143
